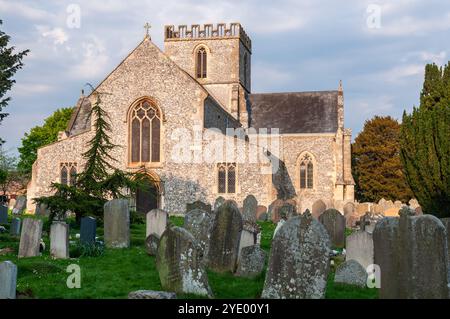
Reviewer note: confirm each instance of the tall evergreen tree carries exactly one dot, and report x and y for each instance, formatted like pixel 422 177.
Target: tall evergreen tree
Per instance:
pixel 376 166
pixel 425 143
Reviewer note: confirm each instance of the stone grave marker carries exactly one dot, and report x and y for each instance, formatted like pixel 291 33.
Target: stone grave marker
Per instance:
pixel 249 209
pixel 8 280
pixel 14 229
pixel 351 273
pixel 20 205
pixel 359 247
pixel 3 215
pixel 199 223
pixel 59 240
pixel 157 221
pixel 88 230
pixel 334 223
pixel 251 261
pixel 117 223
pixel 30 238
pixel 198 204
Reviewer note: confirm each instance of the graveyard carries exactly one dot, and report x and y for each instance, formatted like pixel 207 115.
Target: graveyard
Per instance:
pixel 118 271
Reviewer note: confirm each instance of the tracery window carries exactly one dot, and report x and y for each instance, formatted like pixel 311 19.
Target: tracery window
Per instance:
pixel 306 172
pixel 145 131
pixel 68 173
pixel 202 63
pixel 226 178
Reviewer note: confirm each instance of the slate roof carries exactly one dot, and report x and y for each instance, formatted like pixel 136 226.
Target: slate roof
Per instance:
pixel 297 112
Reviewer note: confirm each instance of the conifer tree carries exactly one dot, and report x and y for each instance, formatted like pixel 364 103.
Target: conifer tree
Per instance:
pixel 425 143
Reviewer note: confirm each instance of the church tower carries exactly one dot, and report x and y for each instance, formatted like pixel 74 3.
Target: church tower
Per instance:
pixel 218 57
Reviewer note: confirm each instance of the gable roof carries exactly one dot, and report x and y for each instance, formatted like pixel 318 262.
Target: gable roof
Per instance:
pixel 296 112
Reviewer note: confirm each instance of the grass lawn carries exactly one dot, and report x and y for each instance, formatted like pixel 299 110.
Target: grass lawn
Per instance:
pixel 119 271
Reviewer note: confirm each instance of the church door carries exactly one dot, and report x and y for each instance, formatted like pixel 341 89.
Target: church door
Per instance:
pixel 147 197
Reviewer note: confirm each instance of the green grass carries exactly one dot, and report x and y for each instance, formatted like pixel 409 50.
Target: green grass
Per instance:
pixel 119 271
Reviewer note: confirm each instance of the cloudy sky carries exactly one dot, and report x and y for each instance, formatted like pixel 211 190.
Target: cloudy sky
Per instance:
pixel 378 48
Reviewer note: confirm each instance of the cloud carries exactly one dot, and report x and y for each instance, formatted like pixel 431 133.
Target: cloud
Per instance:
pixel 26 89
pixel 94 62
pixel 57 35
pixel 25 10
pixel 398 73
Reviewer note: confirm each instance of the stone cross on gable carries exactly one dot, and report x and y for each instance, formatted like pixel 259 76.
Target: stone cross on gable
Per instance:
pixel 147 28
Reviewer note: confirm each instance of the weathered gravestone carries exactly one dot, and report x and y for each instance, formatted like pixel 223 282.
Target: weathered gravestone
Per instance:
pixel 412 254
pixel 299 260
pixel 249 235
pixel 88 230
pixel 219 202
pixel 151 294
pixel 117 223
pixel 21 204
pixel 368 221
pixel 249 209
pixel 14 229
pixel 198 205
pixel 157 221
pixel 274 210
pixel 59 240
pixel 151 244
pixel 334 223
pixel 288 210
pixel 179 263
pixel 261 213
pixel 359 247
pixel 42 210
pixel 30 237
pixel 8 280
pixel 446 222
pixel 199 223
pixel 3 215
pixel 351 273
pixel 225 238
pixel 251 261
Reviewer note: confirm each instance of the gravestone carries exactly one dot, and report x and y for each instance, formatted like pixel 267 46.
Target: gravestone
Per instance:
pixel 277 228
pixel 368 221
pixel 249 209
pixel 14 229
pixel 117 223
pixel 288 210
pixel 151 294
pixel 351 273
pixel 219 201
pixel 30 238
pixel 198 205
pixel 12 203
pixel 334 223
pixel 151 244
pixel 274 210
pixel 263 217
pixel 180 265
pixel 359 247
pixel 299 260
pixel 42 210
pixel 8 280
pixel 88 230
pixel 21 204
pixel 249 235
pixel 157 220
pixel 3 215
pixel 199 223
pixel 59 240
pixel 412 254
pixel 446 222
pixel 251 262
pixel 225 238
pixel 261 210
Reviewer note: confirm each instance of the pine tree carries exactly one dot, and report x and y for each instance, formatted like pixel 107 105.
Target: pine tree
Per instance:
pixel 425 143
pixel 376 166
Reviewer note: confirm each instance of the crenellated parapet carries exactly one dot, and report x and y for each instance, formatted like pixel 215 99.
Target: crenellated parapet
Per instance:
pixel 207 31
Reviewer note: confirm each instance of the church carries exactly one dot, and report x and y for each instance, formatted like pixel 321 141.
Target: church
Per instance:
pixel 166 107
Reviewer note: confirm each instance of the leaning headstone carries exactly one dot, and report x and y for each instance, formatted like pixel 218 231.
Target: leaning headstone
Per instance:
pixel 157 220
pixel 251 261
pixel 14 229
pixel 151 294
pixel 249 235
pixel 88 230
pixel 351 273
pixel 219 201
pixel 8 280
pixel 198 205
pixel 30 238
pixel 59 240
pixel 117 223
pixel 334 223
pixel 299 260
pixel 151 244
pixel 412 254
pixel 3 215
pixel 225 238
pixel 180 265
pixel 199 224
pixel 359 247
pixel 249 209
pixel 21 204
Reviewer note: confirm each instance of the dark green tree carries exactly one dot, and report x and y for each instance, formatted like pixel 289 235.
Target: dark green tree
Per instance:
pixel 10 63
pixel 376 166
pixel 99 181
pixel 40 136
pixel 425 143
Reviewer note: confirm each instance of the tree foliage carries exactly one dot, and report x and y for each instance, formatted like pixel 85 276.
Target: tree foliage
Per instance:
pixel 99 181
pixel 377 169
pixel 10 63
pixel 40 136
pixel 425 143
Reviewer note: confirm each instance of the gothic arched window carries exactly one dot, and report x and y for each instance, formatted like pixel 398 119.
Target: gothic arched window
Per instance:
pixel 226 178
pixel 306 171
pixel 145 131
pixel 64 176
pixel 201 63
pixel 73 176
